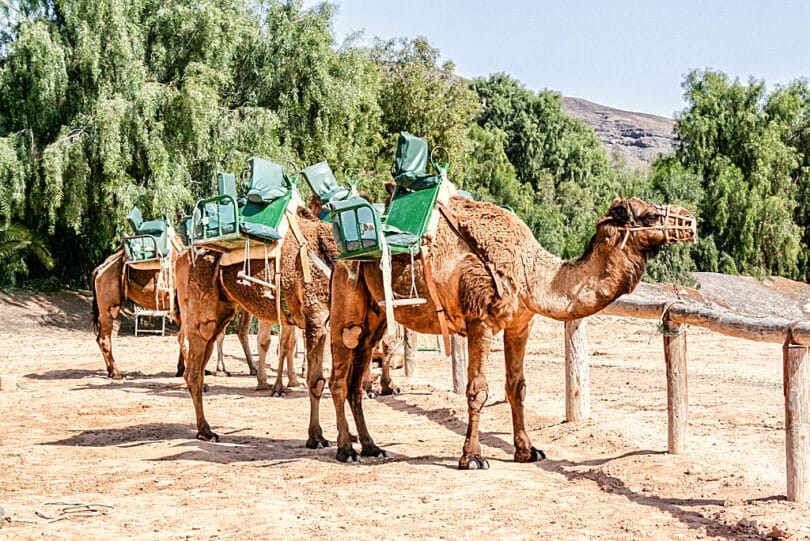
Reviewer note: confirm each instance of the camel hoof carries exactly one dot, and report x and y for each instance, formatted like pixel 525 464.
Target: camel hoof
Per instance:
pixel 532 455
pixel 263 386
pixel 115 375
pixel 374 452
pixel 206 388
pixel 391 391
pixel 208 373
pixel 279 391
pixel 317 443
pixel 208 436
pixel 222 373
pixel 371 395
pixel 347 456
pixel 473 463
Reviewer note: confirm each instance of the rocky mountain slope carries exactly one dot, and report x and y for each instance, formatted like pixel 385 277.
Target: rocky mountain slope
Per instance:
pixel 640 137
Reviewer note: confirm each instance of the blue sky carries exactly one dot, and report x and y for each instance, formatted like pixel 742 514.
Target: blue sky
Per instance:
pixel 626 54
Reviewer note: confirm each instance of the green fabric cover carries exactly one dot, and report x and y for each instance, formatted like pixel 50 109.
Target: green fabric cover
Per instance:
pixel 135 218
pixel 411 162
pixel 260 232
pixel 226 184
pixel 266 181
pixel 410 212
pixel 323 183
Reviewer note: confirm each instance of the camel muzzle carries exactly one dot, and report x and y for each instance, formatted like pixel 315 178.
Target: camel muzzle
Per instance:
pixel 678 224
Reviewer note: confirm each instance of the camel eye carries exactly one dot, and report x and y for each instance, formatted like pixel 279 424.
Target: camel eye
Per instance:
pixel 649 219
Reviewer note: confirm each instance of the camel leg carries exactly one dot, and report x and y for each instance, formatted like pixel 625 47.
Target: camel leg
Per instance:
pixel 243 332
pixel 285 349
pixel 347 322
pixel 104 341
pixel 389 348
pixel 315 336
pixel 361 360
pixel 220 370
pixel 514 343
pixel 479 343
pixel 199 351
pixel 263 341
pixel 289 340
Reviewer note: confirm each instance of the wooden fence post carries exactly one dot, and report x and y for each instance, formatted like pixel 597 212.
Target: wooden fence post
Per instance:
pixel 458 350
pixel 577 376
pixel 797 421
pixel 677 386
pixel 410 353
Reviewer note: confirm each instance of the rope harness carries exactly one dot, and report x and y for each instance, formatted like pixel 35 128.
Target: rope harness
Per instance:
pixel 676 226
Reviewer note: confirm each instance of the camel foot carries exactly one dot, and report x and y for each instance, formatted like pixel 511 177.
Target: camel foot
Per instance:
pixel 371 395
pixel 206 388
pixel 373 451
pixel 279 391
pixel 391 390
pixel 476 462
pixel 114 374
pixel 263 386
pixel 293 383
pixel 222 373
pixel 347 455
pixel 317 442
pixel 532 455
pixel 208 436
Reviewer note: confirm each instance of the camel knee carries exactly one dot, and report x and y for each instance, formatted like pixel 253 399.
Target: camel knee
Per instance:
pixel 517 390
pixel 351 336
pixel 207 330
pixel 477 395
pixel 316 389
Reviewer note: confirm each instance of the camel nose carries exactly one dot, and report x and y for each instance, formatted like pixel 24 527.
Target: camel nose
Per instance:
pixel 680 226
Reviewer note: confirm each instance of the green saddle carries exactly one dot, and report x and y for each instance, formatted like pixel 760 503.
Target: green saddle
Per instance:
pixel 150 241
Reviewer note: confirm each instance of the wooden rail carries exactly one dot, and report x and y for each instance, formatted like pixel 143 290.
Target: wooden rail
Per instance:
pixel 795 335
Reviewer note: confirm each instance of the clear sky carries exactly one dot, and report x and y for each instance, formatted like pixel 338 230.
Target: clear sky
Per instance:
pixel 631 55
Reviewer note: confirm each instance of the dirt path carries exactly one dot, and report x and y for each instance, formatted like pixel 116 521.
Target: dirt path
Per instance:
pixel 70 434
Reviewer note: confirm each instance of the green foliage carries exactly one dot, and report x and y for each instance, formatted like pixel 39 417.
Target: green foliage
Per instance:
pixel 741 143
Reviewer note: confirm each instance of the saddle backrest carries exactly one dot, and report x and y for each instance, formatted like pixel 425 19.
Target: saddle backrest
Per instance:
pixel 266 181
pixel 411 163
pixel 135 219
pixel 323 183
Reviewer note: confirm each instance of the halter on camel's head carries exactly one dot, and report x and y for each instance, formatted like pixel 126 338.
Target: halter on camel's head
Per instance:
pixel 676 223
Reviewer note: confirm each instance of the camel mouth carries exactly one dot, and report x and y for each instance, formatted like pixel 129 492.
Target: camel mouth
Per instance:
pixel 679 225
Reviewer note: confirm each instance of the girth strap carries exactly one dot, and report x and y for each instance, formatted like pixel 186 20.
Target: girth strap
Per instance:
pixel 431 286
pixel 473 244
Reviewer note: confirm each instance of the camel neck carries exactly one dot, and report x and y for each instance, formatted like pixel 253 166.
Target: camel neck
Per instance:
pixel 567 290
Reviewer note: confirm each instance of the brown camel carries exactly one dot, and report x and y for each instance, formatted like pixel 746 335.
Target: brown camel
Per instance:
pixel 520 279
pixel 113 282
pixel 209 292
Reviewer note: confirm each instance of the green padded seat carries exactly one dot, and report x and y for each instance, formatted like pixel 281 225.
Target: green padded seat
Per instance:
pixel 323 183
pixel 266 181
pixel 150 241
pixel 411 163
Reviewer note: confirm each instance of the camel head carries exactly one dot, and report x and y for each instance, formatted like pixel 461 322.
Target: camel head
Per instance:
pixel 646 225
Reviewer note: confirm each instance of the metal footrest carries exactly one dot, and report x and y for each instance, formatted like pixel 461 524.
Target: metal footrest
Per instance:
pixel 396 303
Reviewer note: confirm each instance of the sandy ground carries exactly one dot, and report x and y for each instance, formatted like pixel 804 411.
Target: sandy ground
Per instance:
pixel 69 434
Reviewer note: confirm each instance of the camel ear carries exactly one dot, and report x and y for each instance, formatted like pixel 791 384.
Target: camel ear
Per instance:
pixel 618 211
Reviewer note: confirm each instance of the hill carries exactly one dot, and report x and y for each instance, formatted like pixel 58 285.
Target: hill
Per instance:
pixel 639 137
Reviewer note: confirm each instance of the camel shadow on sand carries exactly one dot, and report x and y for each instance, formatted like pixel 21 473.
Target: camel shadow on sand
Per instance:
pixel 678 508
pixel 236 447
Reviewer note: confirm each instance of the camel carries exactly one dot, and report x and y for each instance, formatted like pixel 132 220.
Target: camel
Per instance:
pixel 489 275
pixel 113 282
pixel 209 292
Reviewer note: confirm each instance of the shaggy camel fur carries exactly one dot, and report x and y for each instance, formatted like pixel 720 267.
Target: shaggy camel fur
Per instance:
pixel 110 280
pixel 208 294
pixel 532 280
